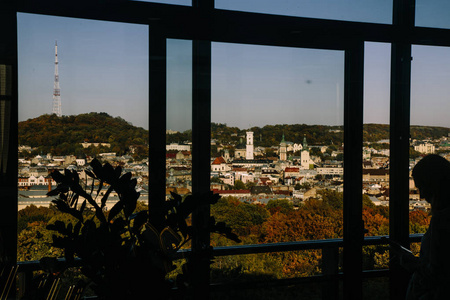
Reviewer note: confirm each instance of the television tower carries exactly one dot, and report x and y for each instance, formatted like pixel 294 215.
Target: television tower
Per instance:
pixel 56 91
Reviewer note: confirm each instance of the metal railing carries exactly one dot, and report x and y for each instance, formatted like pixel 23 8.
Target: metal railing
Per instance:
pixel 330 276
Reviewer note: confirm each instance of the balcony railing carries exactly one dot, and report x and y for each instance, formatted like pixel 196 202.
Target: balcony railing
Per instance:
pixel 330 276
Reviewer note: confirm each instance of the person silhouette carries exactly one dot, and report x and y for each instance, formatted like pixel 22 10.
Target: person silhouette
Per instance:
pixel 431 270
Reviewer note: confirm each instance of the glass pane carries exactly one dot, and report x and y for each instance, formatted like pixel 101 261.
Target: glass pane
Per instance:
pixel 432 13
pixel 267 267
pixel 277 138
pixel 375 213
pixel 373 11
pixel 376 140
pixel 179 117
pixel 430 125
pixel 103 94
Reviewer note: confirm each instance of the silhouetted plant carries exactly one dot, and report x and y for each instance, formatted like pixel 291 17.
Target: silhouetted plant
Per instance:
pixel 125 254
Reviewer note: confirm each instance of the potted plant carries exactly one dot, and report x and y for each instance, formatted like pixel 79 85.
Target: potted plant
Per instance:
pixel 125 254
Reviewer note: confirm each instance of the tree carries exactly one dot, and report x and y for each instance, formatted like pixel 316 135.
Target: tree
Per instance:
pixel 249 185
pixel 283 206
pixel 239 185
pixel 333 198
pixel 367 202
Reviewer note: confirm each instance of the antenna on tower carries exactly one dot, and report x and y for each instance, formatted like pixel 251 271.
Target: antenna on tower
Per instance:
pixel 56 91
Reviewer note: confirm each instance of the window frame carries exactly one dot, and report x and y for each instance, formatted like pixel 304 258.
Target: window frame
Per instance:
pixel 203 24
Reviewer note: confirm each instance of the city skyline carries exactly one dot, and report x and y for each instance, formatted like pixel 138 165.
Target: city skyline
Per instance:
pixel 104 67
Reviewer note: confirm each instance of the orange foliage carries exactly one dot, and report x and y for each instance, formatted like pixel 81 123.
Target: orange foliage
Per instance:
pixel 297 226
pixel 375 223
pixel 419 217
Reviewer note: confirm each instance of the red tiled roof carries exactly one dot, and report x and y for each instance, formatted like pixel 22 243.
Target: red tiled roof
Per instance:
pixel 235 192
pixel 219 160
pixel 292 169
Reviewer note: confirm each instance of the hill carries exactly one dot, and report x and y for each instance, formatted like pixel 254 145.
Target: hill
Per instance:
pixel 64 135
pixel 271 135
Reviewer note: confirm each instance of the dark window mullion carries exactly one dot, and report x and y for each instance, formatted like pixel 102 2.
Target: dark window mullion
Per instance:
pixel 201 151
pixel 399 161
pixel 157 125
pixel 353 129
pixel 8 136
pixel 403 22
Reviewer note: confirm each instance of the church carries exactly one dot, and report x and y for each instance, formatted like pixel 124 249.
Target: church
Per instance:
pixel 305 159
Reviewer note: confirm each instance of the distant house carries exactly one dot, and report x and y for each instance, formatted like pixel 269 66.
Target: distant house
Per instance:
pixel 261 190
pixel 234 193
pixel 178 147
pixel 219 165
pixel 291 172
pixel 290 175
pixel 375 175
pixel 87 145
pixel 425 148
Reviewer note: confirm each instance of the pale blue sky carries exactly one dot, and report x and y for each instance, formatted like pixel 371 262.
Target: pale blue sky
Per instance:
pixel 104 67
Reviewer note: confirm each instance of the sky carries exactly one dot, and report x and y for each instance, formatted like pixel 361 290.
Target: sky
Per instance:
pixel 103 67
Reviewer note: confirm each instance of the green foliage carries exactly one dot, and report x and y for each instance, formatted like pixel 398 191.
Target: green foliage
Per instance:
pixel 332 136
pixel 63 135
pixel 332 198
pixel 284 206
pixel 239 185
pixel 31 214
pixel 277 222
pixel 35 242
pixel 241 217
pixel 367 202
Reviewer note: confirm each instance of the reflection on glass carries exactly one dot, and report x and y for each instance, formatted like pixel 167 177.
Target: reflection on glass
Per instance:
pixel 103 91
pixel 176 2
pixel 179 118
pixel 430 132
pixel 373 11
pixel 269 266
pixel 277 134
pixel 432 13
pixel 376 144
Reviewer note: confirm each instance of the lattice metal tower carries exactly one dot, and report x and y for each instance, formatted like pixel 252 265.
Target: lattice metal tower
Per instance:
pixel 56 91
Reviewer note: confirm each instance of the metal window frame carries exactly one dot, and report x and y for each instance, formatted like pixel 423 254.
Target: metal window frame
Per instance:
pixel 203 24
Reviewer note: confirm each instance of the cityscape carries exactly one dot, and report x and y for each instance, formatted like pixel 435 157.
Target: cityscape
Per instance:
pixel 240 167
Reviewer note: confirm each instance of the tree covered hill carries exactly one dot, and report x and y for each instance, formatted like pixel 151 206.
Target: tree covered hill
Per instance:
pixel 64 135
pixel 271 135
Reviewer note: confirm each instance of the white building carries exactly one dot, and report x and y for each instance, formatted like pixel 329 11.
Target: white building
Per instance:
pixel 178 147
pixel 249 146
pixel 219 165
pixel 426 148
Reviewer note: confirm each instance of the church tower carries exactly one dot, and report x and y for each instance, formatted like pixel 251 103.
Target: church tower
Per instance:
pixel 249 145
pixel 283 154
pixel 226 155
pixel 304 157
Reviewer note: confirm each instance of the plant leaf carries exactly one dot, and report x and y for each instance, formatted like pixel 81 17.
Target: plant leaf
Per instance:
pixel 105 196
pixel 115 210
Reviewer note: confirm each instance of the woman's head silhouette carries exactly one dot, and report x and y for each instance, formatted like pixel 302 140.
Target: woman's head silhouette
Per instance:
pixel 432 178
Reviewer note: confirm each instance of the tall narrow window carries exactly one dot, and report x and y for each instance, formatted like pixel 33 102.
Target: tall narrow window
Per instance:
pixel 277 152
pixel 98 80
pixel 179 118
pixel 430 126
pixel 376 155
